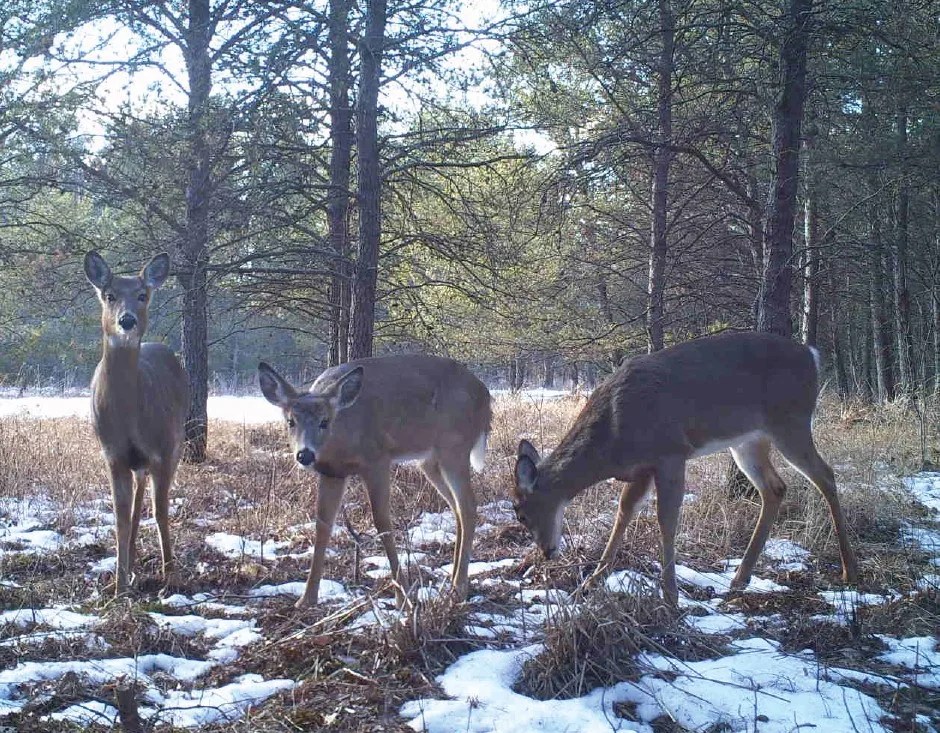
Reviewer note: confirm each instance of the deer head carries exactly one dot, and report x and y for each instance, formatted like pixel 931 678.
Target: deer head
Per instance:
pixel 538 509
pixel 125 300
pixel 310 415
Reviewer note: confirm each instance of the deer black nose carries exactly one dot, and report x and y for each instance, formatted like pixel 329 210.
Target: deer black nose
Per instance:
pixel 127 321
pixel 305 457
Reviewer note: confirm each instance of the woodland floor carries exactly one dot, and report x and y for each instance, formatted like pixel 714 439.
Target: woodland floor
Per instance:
pixel 226 651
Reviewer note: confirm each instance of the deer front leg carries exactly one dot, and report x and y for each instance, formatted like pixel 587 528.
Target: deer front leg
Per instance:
pixel 329 496
pixel 122 497
pixel 631 495
pixel 379 488
pixel 670 488
pixel 140 484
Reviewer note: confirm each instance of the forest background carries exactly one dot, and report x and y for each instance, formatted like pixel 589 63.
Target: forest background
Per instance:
pixel 536 188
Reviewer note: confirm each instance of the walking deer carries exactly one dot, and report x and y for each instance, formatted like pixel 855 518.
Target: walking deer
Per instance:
pixel 743 391
pixel 139 399
pixel 360 418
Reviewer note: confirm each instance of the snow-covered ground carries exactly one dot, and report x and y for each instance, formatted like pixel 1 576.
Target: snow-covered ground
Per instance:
pixel 249 410
pixel 756 686
pixel 245 409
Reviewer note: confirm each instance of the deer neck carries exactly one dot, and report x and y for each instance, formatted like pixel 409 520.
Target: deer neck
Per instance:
pixel 119 376
pixel 582 458
pixel 571 468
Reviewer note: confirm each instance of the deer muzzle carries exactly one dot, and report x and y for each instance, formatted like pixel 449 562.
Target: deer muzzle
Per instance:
pixel 127 321
pixel 305 457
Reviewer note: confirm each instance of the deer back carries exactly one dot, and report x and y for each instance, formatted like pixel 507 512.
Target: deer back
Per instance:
pixel 409 406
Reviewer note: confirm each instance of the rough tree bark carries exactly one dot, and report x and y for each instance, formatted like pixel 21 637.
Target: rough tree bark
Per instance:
pixel 902 297
pixel 370 180
pixel 662 157
pixel 885 385
pixel 337 205
pixel 192 257
pixel 810 266
pixel 777 282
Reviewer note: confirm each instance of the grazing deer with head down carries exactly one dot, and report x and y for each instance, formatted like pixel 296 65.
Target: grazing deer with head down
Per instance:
pixel 743 391
pixel 139 399
pixel 360 418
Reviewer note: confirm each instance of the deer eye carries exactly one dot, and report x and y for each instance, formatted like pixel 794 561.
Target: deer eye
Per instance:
pixel 290 422
pixel 324 424
pixel 142 297
pixel 109 297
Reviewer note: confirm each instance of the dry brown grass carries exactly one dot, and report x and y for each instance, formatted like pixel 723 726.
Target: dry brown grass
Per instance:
pixel 598 643
pixel 356 681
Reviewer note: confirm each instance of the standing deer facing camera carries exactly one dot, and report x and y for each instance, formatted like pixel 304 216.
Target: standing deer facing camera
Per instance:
pixel 743 391
pixel 362 417
pixel 139 399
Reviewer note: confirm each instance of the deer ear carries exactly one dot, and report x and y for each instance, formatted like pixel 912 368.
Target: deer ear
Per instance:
pixel 156 271
pixel 348 388
pixel 97 270
pixel 528 450
pixel 274 387
pixel 527 474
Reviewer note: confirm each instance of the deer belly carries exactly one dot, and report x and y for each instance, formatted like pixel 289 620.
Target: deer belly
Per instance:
pixel 413 457
pixel 716 445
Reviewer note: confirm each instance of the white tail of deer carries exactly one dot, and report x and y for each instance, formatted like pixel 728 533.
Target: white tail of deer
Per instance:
pixel 743 391
pixel 139 399
pixel 360 418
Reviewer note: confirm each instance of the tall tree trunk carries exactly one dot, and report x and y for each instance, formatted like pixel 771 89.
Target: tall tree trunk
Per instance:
pixel 370 180
pixel 548 375
pixel 935 312
pixel 337 205
pixel 837 329
pixel 661 160
pixel 810 265
pixel 884 385
pixel 193 251
pixel 902 296
pixel 777 282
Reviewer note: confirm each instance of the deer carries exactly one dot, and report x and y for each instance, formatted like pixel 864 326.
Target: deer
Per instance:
pixel 743 391
pixel 139 400
pixel 362 417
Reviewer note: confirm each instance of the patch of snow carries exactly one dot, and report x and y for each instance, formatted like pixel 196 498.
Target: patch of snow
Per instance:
pixel 479 568
pixel 105 565
pixel 846 601
pixel 330 590
pixel 721 582
pixel 925 487
pixel 717 623
pixel 433 528
pixel 631 582
pixel 784 692
pixel 186 709
pixel 786 555
pixel 382 567
pixel 235 546
pixel 924 539
pixel 57 617
pixel 918 653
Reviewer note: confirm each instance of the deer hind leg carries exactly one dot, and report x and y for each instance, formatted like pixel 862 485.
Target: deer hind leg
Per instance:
pixel 798 448
pixel 753 458
pixel 140 486
pixel 378 486
pixel 456 470
pixel 329 496
pixel 432 469
pixel 122 497
pixel 669 476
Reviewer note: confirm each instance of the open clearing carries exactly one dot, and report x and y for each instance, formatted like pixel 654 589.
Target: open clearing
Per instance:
pixel 227 650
